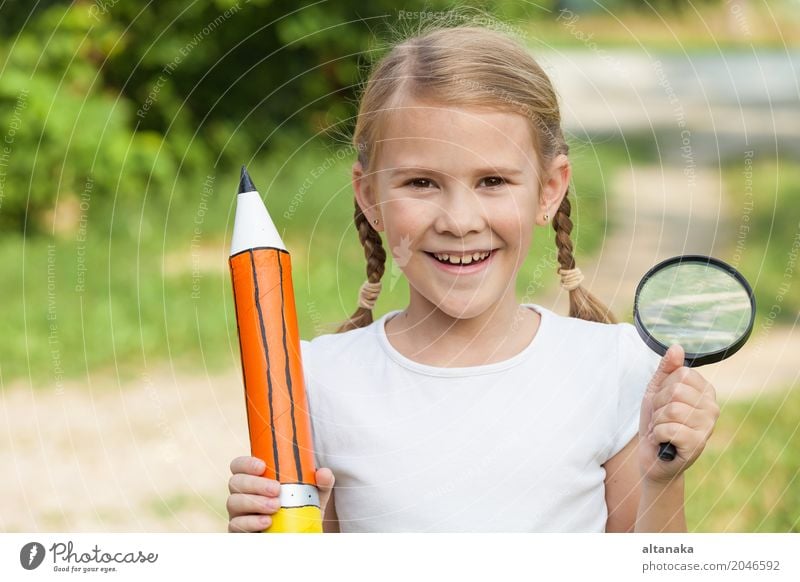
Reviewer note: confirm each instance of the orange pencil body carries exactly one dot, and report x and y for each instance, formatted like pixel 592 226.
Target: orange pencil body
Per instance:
pixel 277 411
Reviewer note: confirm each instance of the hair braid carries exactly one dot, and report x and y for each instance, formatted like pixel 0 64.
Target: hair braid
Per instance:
pixel 582 304
pixel 376 263
pixel 465 62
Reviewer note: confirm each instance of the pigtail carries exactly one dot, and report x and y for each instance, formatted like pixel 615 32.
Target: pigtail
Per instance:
pixel 376 263
pixel 582 304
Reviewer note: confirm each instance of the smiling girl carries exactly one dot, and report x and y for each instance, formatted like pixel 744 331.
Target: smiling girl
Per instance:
pixel 468 411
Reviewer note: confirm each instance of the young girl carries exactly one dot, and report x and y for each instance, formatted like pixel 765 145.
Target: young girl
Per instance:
pixel 468 411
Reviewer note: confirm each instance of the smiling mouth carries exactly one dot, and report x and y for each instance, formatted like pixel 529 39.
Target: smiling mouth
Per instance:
pixel 460 259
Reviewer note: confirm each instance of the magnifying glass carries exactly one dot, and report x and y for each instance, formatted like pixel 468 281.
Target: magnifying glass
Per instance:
pixel 699 302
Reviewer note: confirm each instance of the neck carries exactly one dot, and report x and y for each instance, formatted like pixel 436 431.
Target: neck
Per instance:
pixel 428 335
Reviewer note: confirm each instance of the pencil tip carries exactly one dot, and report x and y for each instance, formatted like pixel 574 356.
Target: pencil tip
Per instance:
pixel 245 183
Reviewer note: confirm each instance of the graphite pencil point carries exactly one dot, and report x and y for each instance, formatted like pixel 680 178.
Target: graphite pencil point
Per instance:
pixel 252 225
pixel 245 183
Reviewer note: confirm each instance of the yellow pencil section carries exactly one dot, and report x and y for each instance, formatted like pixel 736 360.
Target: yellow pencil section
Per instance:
pixel 307 519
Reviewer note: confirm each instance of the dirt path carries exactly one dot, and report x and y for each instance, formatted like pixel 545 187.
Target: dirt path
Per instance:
pixel 659 212
pixel 153 454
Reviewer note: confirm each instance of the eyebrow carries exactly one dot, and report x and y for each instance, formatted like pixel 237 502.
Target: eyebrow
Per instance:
pixel 487 171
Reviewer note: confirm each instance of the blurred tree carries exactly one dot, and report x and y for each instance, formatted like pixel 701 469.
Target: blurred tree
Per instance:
pixel 134 99
pixel 65 133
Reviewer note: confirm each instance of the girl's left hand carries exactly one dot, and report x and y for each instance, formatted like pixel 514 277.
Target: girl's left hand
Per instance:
pixel 679 407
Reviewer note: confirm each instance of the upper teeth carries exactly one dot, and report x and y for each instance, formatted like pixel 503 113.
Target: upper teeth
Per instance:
pixel 461 259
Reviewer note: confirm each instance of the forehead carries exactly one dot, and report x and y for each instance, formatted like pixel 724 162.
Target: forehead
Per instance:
pixel 440 135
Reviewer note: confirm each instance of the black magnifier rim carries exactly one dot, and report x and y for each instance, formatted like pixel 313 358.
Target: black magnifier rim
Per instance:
pixel 700 358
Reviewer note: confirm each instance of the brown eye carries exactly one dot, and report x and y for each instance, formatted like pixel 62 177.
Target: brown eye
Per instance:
pixel 494 181
pixel 420 183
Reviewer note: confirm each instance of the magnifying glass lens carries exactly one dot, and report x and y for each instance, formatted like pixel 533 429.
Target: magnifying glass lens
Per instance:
pixel 699 306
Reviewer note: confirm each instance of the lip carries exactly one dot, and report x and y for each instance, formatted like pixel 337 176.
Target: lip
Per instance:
pixel 463 269
pixel 461 252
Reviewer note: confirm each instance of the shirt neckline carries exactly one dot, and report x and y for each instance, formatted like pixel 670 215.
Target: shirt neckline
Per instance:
pixel 492 368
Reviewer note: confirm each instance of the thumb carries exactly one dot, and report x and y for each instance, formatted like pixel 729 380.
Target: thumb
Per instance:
pixel 671 361
pixel 325 481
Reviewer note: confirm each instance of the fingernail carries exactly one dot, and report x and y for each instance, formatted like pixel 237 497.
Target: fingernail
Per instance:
pixel 259 465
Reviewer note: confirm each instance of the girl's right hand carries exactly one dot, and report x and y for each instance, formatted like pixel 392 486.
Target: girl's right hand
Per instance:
pixel 254 498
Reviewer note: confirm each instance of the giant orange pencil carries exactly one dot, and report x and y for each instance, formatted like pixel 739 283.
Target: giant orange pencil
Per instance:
pixel 269 341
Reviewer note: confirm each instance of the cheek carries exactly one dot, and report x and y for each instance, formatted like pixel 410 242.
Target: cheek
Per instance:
pixel 405 221
pixel 515 223
pixel 515 219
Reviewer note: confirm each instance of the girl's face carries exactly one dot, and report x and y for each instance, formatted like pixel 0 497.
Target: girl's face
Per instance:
pixel 457 193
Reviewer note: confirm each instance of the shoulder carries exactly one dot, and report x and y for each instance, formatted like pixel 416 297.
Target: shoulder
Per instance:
pixel 581 334
pixel 619 342
pixel 339 348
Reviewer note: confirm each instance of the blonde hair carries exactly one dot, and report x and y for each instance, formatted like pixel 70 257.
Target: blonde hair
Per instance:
pixel 466 66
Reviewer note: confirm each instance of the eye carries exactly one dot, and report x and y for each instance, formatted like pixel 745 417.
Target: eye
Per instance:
pixel 494 181
pixel 420 183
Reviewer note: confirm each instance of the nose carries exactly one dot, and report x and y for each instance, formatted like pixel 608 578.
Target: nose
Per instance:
pixel 461 212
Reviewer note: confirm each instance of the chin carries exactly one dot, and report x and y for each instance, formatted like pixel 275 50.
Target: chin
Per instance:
pixel 464 308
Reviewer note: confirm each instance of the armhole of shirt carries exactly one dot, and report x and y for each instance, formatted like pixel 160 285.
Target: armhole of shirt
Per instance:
pixel 622 433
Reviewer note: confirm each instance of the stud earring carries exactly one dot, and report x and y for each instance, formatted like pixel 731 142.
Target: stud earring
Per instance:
pixel 546 217
pixel 375 221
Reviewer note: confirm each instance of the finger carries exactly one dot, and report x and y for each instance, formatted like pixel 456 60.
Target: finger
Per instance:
pixel 681 413
pixel 243 504
pixel 248 465
pixel 672 360
pixel 241 483
pixel 670 432
pixel 679 392
pixel 249 524
pixel 688 376
pixel 688 441
pixel 325 481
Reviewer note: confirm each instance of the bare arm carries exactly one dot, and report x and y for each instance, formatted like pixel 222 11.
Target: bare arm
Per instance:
pixel 638 504
pixel 622 489
pixel 661 507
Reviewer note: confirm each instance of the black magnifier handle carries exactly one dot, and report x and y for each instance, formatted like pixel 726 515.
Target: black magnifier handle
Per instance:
pixel 667 451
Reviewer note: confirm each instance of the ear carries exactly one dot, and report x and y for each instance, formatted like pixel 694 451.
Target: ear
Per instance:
pixel 554 188
pixel 366 196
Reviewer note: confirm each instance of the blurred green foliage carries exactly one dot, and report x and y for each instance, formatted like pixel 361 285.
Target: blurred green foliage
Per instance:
pixel 748 477
pixel 140 102
pixel 148 288
pixel 66 132
pixel 119 116
pixel 765 241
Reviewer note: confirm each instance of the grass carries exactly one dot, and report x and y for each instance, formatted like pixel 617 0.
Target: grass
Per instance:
pixel 765 241
pixel 146 287
pixel 748 478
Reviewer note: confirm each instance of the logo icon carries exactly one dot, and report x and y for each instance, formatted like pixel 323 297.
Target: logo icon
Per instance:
pixel 31 555
pixel 401 255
